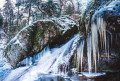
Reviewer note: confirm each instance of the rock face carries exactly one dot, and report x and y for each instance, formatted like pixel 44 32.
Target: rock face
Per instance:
pixel 92 7
pixel 110 14
pixel 109 11
pixel 33 38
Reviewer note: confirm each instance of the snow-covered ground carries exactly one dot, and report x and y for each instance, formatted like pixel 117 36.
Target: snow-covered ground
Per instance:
pixel 4 65
pixel 2 46
pixel 3 41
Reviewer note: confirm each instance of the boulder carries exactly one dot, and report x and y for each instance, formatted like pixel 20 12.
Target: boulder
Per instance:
pixel 33 38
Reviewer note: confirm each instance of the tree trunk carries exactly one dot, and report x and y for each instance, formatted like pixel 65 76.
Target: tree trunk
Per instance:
pixel 29 12
pixel 18 17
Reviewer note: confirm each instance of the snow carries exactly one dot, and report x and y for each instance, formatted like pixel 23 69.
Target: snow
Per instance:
pixel 87 74
pixel 64 22
pixel 14 73
pixel 16 38
pixel 3 61
pixel 50 62
pixel 2 2
pixel 113 3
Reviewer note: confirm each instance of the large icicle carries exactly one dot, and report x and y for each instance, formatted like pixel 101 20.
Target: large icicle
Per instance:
pixel 98 29
pixel 80 50
pixel 101 25
pixel 94 44
pixel 89 50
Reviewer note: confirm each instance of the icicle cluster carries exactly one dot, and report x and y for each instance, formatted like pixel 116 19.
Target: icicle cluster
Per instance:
pixel 97 34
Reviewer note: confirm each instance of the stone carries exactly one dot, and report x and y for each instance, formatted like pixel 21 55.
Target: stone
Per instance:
pixel 33 38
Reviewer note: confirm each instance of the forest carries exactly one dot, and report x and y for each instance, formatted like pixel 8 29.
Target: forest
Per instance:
pixel 60 40
pixel 14 15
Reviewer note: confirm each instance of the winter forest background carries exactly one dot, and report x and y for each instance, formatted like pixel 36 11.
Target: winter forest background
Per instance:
pixel 16 14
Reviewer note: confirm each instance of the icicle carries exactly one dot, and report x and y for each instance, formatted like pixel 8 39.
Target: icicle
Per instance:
pixel 101 27
pixel 62 57
pixel 98 28
pixel 94 44
pixel 108 53
pixel 89 49
pixel 28 61
pixel 110 36
pixel 98 57
pixel 80 50
pixel 78 58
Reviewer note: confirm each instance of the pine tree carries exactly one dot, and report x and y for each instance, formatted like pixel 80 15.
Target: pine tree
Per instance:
pixel 29 5
pixel 50 8
pixel 8 15
pixel 18 4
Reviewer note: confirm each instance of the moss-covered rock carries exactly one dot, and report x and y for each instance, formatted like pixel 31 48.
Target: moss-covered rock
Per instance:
pixel 33 38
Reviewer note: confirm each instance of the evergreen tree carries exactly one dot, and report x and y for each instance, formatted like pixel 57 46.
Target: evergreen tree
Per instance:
pixel 8 15
pixel 50 8
pixel 18 4
pixel 31 8
pixel 69 10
